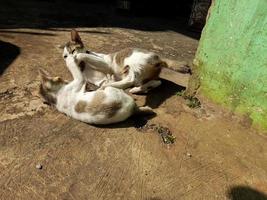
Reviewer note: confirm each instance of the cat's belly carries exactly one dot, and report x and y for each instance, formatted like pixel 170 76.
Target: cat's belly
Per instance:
pixel 94 76
pixel 101 107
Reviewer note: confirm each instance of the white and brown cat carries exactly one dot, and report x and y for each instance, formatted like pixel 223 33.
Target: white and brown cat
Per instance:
pixel 129 67
pixel 106 106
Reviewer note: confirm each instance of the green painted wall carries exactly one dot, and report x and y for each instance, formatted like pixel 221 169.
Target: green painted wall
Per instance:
pixel 231 61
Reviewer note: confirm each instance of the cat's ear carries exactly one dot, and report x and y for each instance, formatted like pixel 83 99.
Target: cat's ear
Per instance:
pixel 76 38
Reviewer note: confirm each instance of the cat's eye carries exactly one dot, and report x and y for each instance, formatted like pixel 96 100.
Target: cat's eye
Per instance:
pixel 65 56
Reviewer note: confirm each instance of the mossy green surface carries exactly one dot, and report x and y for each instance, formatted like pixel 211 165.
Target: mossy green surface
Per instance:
pixel 231 60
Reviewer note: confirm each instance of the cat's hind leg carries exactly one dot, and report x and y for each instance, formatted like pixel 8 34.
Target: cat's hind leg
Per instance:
pixel 122 84
pixel 145 87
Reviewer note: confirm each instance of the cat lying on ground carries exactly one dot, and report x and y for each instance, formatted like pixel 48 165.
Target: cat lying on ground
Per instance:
pixel 129 67
pixel 106 106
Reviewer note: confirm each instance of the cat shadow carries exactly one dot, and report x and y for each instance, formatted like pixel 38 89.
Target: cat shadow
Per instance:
pixel 136 121
pixel 245 193
pixel 8 54
pixel 154 98
pixel 159 95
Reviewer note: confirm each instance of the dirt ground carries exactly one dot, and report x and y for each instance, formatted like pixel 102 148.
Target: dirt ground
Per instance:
pixel 216 155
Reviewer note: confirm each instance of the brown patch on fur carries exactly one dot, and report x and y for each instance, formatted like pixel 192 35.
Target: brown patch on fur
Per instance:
pixel 98 99
pixel 154 59
pixel 96 106
pixel 48 97
pixel 80 107
pixel 111 109
pixel 161 64
pixel 155 71
pixel 121 55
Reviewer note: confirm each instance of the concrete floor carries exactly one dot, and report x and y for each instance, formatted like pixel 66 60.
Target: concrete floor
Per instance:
pixel 216 155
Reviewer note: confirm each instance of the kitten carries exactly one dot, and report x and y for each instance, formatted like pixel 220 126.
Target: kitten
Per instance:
pixel 106 106
pixel 130 67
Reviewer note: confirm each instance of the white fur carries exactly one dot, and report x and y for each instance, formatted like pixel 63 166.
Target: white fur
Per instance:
pixel 145 87
pixel 91 75
pixel 139 63
pixel 70 94
pixel 139 70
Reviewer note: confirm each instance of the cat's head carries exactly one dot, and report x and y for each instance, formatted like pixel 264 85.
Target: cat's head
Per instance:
pixel 75 45
pixel 50 86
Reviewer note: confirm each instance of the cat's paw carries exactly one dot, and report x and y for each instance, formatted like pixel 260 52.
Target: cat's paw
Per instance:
pixel 79 57
pixel 136 90
pixel 75 58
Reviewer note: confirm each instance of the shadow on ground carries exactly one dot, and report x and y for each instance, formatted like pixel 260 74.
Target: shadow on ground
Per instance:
pixel 153 99
pixel 8 53
pixel 245 193
pixel 47 17
pixel 160 94
pixel 39 15
pixel 136 121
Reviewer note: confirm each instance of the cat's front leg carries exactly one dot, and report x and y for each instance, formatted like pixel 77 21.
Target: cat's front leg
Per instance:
pixel 123 84
pixel 145 87
pixel 95 61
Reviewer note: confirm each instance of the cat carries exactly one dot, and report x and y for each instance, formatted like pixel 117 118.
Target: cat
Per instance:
pixel 90 75
pixel 107 106
pixel 130 67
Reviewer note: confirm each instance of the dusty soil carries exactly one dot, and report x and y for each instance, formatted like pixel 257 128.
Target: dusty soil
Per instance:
pixel 216 155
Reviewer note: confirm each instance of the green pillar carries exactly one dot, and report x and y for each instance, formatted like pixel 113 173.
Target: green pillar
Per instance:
pixel 231 61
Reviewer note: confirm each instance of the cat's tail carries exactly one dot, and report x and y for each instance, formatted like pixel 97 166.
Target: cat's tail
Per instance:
pixel 143 110
pixel 177 66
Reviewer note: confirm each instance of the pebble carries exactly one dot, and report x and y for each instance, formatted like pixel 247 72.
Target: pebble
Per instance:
pixel 39 166
pixel 189 155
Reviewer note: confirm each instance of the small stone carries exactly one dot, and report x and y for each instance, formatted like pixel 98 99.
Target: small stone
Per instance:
pixel 39 166
pixel 189 155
